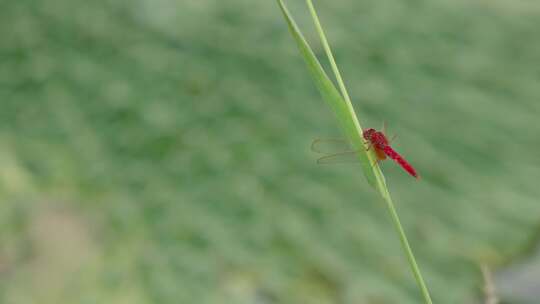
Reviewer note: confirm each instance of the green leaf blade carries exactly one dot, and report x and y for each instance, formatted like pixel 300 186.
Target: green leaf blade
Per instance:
pixel 333 98
pixel 342 106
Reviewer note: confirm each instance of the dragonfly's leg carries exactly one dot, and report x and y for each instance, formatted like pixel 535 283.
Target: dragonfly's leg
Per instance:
pixel 384 127
pixel 369 145
pixel 393 137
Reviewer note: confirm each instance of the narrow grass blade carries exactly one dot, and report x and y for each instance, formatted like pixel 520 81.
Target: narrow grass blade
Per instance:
pixel 344 113
pixel 342 106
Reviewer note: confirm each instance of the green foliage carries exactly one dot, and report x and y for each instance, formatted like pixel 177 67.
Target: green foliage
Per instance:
pixel 344 111
pixel 158 151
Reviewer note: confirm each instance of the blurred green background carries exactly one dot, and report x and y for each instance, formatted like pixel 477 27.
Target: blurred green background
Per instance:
pixel 158 151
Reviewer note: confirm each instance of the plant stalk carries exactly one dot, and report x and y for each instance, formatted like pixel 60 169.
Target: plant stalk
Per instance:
pixel 381 184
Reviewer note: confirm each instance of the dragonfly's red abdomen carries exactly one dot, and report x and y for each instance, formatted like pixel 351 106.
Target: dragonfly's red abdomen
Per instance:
pixel 400 160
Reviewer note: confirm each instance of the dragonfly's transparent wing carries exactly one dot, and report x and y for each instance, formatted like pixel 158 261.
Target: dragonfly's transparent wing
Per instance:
pixel 330 145
pixel 347 157
pixel 338 151
pixel 385 132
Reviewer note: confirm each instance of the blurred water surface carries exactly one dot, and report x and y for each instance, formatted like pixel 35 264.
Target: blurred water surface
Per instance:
pixel 158 151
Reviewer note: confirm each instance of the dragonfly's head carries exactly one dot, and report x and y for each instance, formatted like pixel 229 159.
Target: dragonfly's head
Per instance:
pixel 368 133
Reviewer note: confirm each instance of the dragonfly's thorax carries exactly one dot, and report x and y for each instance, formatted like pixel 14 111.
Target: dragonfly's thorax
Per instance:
pixel 375 137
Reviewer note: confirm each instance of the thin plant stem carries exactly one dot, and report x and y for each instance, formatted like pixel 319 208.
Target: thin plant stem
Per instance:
pixel 405 244
pixel 489 286
pixel 381 184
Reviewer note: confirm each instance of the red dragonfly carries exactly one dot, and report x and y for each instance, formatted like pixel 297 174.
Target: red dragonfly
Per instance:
pixel 376 140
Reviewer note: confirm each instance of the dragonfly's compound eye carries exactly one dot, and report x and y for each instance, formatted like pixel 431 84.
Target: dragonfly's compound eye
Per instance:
pixel 368 133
